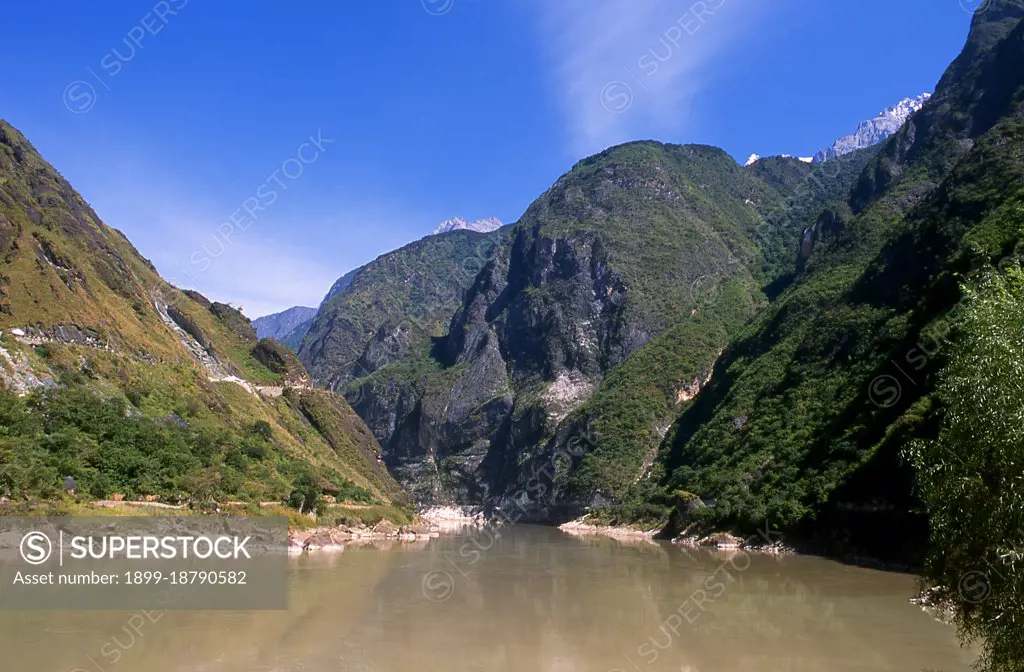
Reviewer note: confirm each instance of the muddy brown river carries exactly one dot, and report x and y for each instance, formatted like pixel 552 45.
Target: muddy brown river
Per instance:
pixel 531 599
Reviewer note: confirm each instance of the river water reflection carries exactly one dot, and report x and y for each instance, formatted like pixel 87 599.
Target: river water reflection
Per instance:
pixel 531 599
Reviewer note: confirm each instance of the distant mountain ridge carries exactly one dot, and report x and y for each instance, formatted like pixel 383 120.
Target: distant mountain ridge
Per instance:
pixel 875 130
pixel 289 326
pixel 399 301
pixel 279 325
pixel 485 225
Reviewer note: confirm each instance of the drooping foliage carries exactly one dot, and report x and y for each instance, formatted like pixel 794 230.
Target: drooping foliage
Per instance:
pixel 972 476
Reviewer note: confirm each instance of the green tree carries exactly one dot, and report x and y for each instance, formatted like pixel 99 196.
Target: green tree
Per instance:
pixel 972 477
pixel 262 429
pixel 306 495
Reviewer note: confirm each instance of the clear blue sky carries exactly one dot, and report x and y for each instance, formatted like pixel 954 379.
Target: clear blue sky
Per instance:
pixel 170 117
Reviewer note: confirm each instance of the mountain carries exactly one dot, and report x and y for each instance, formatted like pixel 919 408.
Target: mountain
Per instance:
pixel 754 158
pixel 423 280
pixel 868 134
pixel 289 326
pixel 665 338
pixel 280 326
pixel 111 375
pixel 874 131
pixel 393 306
pixel 663 323
pixel 458 224
pixel 597 314
pixel 806 418
pixel 340 285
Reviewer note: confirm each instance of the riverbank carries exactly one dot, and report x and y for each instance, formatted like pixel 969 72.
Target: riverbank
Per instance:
pixel 726 541
pixel 768 542
pixel 451 518
pixel 345 523
pixel 335 538
pixel 427 523
pixel 581 528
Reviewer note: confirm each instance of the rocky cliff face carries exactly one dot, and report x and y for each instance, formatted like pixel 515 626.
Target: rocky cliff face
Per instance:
pixel 545 315
pixel 546 305
pixel 399 301
pixel 578 341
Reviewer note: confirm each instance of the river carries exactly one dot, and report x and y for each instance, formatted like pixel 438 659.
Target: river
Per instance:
pixel 529 599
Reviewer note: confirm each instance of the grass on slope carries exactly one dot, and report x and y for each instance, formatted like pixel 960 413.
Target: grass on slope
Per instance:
pixel 419 285
pixel 173 436
pixel 643 394
pixel 138 415
pixel 668 216
pixel 790 414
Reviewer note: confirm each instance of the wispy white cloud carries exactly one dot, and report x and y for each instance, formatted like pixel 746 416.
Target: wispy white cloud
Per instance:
pixel 631 69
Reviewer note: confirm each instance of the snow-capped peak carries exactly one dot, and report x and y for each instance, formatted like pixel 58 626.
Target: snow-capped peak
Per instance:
pixel 874 131
pixel 754 158
pixel 870 132
pixel 485 225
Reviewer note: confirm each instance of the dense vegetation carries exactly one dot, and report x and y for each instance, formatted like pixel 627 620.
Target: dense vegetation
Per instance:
pixel 972 477
pixel 838 373
pixel 133 387
pixel 670 217
pixel 108 447
pixel 638 396
pixel 636 402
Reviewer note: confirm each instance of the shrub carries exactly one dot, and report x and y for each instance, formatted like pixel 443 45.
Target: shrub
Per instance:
pixel 253 448
pixel 305 495
pixel 970 477
pixel 261 428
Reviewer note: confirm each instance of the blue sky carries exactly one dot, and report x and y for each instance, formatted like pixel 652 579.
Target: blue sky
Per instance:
pixel 187 123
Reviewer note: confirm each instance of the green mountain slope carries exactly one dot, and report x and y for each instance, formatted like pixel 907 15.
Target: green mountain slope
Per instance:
pixel 606 306
pixel 808 409
pixel 623 422
pixel 116 378
pixel 390 309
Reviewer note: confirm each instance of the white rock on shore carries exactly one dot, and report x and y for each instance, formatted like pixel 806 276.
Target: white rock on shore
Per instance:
pixel 452 512
pixel 580 527
pixel 452 518
pixel 333 539
pixel 724 541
